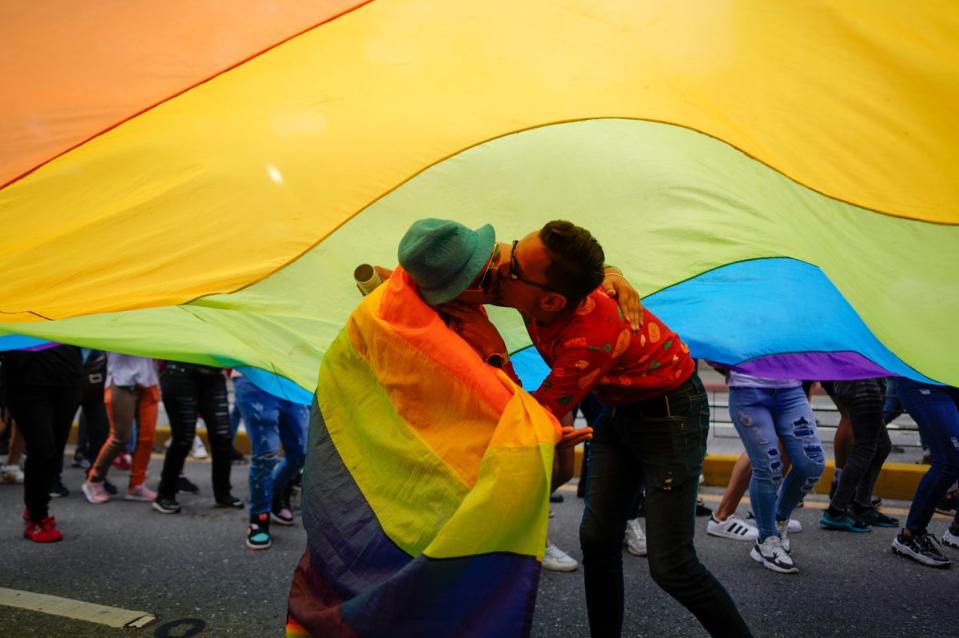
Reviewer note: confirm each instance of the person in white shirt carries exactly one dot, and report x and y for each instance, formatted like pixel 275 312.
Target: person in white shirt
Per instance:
pixel 132 390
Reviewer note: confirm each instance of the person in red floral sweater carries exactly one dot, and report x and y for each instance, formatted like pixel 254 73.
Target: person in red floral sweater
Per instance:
pixel 655 433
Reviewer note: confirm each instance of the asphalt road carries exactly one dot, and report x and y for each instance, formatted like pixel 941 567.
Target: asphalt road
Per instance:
pixel 193 571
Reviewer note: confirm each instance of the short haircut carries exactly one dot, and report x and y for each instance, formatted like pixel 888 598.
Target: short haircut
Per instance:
pixel 576 260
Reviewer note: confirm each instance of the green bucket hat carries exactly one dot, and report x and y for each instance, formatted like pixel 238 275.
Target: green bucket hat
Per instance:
pixel 444 256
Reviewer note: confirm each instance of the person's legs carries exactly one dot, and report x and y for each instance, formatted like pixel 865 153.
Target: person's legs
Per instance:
pixel 724 523
pixel 33 411
pixel 751 412
pixel 147 408
pixel 261 415
pixel 935 411
pixel 215 410
pixel 294 425
pixel 738 484
pixel 179 394
pixel 796 428
pixel 862 501
pixel 94 411
pixel 843 441
pixel 670 450
pixel 121 402
pixel 614 478
pixel 864 401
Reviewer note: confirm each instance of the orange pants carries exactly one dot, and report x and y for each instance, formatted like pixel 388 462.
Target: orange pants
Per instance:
pixel 122 405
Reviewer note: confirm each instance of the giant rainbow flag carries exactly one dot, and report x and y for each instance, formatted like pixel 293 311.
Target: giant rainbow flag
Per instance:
pixel 779 180
pixel 428 477
pixel 179 180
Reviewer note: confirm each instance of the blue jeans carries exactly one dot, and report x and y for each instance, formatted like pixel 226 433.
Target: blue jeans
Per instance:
pixel 764 417
pixel 659 443
pixel 271 420
pixel 935 409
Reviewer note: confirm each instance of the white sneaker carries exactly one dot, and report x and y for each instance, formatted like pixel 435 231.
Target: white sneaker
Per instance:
pixel 12 474
pixel 733 528
pixel 771 554
pixel 199 450
pixel 556 560
pixel 96 493
pixel 794 526
pixel 140 493
pixel 635 538
pixel 783 527
pixel 949 539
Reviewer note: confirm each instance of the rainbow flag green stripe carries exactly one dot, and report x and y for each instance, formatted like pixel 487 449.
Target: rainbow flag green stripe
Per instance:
pixel 668 204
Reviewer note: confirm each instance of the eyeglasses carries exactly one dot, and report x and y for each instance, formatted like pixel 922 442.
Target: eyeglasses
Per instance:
pixel 514 267
pixel 483 282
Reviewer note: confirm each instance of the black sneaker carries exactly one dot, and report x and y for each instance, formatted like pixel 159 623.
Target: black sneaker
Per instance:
pixel 281 512
pixel 183 484
pixel 922 547
pixel 877 519
pixel 843 521
pixel 166 505
pixel 109 487
pixel 59 490
pixel 556 497
pixel 229 501
pixel 258 533
pixel 701 509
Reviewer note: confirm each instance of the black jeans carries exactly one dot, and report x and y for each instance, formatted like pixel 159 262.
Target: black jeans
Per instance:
pixel 93 421
pixel 189 390
pixel 659 443
pixel 44 415
pixel 863 401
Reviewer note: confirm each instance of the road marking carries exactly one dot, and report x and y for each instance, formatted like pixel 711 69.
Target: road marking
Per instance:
pixel 76 609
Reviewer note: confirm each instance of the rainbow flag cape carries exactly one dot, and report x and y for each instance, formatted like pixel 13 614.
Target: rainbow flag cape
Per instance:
pixel 426 486
pixel 779 180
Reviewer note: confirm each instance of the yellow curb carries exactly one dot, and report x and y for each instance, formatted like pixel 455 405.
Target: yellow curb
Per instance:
pixel 896 480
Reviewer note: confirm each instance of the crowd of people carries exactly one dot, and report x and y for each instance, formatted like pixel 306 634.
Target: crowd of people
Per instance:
pixel 624 367
pixel 118 397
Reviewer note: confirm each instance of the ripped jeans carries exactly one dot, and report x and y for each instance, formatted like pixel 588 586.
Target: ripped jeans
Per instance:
pixel 271 420
pixel 763 417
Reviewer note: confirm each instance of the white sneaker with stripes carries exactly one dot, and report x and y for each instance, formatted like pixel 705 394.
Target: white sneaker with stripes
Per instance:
pixel 733 528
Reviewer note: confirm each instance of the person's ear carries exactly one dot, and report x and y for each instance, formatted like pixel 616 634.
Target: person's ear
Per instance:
pixel 552 302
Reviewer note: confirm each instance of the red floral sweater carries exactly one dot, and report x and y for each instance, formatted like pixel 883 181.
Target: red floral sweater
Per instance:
pixel 593 348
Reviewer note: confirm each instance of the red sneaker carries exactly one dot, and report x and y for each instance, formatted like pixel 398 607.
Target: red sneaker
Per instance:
pixel 43 532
